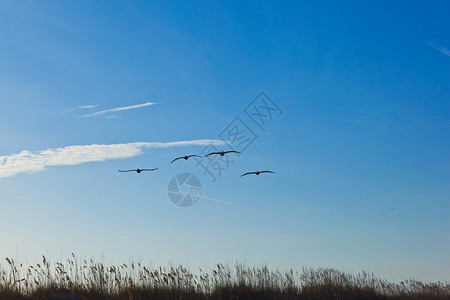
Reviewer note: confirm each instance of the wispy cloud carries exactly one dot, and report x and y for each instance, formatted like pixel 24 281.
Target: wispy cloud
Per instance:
pixel 249 208
pixel 80 107
pixel 30 162
pixel 439 48
pixel 86 106
pixel 98 113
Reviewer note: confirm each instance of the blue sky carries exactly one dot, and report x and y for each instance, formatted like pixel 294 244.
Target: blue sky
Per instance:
pixel 360 151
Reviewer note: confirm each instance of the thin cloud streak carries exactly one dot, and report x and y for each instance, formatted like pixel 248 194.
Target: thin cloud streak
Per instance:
pixel 31 162
pixel 86 106
pixel 439 48
pixel 80 107
pixel 249 208
pixel 98 113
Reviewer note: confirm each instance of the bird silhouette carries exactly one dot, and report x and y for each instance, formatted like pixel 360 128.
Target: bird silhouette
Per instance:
pixel 139 170
pixel 256 173
pixel 186 157
pixel 222 153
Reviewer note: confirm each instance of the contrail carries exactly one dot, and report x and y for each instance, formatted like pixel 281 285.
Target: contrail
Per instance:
pixel 439 48
pixel 249 208
pixel 118 109
pixel 80 107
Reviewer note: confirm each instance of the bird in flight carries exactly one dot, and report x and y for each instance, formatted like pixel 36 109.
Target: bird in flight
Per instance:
pixel 222 153
pixel 185 157
pixel 139 170
pixel 256 173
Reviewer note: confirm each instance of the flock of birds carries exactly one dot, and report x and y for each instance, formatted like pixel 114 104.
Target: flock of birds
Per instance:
pixel 186 157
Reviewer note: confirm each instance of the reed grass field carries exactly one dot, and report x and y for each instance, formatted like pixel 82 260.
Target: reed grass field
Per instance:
pixel 86 279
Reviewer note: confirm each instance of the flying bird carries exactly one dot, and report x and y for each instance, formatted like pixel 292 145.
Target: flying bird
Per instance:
pixel 222 153
pixel 139 170
pixel 256 173
pixel 185 157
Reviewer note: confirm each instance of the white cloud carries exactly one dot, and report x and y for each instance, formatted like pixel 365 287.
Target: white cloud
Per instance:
pixel 98 113
pixel 80 107
pixel 30 162
pixel 86 106
pixel 439 48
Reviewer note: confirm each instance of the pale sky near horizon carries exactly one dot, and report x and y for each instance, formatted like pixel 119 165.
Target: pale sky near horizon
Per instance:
pixel 359 138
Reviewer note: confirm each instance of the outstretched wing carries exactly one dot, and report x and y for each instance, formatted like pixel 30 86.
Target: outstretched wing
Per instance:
pixel 149 169
pixel 232 151
pixel 127 171
pixel 248 173
pixel 194 155
pixel 176 159
pixel 212 153
pixel 266 172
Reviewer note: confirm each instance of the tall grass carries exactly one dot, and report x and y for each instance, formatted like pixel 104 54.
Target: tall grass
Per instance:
pixel 87 279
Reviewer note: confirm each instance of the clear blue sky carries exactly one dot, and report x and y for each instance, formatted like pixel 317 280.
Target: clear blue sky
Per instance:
pixel 361 151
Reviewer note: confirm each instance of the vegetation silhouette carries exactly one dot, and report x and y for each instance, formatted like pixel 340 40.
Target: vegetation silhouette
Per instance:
pixel 83 279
